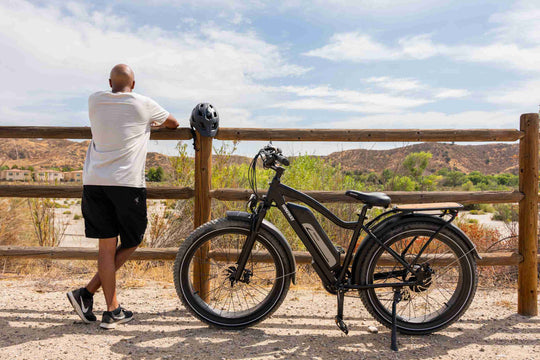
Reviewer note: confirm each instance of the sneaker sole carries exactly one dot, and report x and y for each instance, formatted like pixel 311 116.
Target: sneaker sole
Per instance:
pixel 110 326
pixel 77 308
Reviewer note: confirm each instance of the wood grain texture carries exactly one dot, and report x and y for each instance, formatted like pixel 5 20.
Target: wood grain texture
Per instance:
pixel 528 216
pixel 255 134
pixel 202 212
pixel 359 135
pixel 169 254
pixel 67 191
pixel 55 132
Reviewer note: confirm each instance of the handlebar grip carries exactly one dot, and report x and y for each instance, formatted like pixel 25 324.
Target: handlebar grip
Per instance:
pixel 282 159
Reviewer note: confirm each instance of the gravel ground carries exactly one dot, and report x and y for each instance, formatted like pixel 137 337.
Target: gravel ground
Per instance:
pixel 37 322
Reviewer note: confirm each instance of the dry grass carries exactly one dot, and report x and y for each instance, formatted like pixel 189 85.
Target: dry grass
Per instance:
pixel 170 222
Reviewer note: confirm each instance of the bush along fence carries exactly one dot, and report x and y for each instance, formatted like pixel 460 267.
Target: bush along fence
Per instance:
pixel 527 196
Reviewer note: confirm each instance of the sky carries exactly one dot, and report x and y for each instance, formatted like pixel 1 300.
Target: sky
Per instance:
pixel 367 64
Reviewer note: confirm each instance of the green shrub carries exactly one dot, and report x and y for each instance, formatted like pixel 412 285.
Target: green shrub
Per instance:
pixel 506 212
pixel 487 208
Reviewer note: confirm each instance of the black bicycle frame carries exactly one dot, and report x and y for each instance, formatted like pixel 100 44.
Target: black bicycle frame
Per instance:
pixel 333 278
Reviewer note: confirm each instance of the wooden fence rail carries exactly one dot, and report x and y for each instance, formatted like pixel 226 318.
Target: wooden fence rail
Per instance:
pixel 168 192
pixel 527 196
pixel 354 135
pixel 169 254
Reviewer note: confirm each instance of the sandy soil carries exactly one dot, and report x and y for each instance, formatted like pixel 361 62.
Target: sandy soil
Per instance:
pixel 37 323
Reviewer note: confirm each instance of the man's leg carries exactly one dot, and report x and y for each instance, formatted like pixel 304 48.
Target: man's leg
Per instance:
pixel 107 271
pixel 121 256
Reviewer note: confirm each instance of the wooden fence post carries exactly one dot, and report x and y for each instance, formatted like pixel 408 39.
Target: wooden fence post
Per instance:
pixel 202 211
pixel 528 215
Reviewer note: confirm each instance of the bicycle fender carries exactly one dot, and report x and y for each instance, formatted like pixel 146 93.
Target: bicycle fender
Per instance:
pixel 272 229
pixel 403 218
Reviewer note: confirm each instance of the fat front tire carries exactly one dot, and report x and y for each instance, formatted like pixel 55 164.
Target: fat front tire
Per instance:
pixel 215 298
pixel 448 285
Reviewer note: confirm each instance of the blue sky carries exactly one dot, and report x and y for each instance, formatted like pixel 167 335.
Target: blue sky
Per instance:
pixel 292 64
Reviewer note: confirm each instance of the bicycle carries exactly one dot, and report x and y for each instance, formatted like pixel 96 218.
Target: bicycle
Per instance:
pixel 415 272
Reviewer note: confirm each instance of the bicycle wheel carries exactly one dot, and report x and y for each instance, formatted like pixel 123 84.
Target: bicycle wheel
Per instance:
pixel 216 298
pixel 448 282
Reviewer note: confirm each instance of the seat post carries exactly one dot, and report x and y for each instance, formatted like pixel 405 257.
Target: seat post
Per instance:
pixel 354 241
pixel 362 215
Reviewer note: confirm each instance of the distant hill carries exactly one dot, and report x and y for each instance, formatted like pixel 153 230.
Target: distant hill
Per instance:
pixel 57 153
pixel 488 159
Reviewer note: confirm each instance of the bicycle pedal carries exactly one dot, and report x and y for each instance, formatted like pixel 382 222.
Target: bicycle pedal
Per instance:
pixel 341 325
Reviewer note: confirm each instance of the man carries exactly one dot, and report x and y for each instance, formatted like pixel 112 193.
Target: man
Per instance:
pixel 114 193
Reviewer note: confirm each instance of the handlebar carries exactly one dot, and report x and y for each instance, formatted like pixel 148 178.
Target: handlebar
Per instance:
pixel 282 159
pixel 271 154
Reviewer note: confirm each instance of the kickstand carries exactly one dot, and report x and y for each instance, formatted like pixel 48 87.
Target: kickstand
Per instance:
pixel 397 298
pixel 339 317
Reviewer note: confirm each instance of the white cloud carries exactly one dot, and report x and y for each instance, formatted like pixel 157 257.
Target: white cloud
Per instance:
pixel 418 47
pixel 515 44
pixel 413 87
pixel 519 24
pixel 451 93
pixel 523 93
pixel 326 98
pixel 55 53
pixel 383 8
pixel 395 84
pixel 431 120
pixel 353 46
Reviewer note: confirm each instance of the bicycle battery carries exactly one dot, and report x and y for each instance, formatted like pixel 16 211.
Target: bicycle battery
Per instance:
pixel 319 240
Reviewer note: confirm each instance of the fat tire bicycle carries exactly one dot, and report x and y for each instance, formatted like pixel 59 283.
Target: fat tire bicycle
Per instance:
pixel 414 271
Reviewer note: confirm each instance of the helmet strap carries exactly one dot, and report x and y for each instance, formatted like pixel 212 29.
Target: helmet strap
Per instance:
pixel 194 137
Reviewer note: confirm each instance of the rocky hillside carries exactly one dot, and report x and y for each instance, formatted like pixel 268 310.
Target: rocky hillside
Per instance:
pixel 488 159
pixel 57 153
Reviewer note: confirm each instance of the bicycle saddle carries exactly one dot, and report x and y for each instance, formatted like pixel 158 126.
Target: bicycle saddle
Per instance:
pixel 375 198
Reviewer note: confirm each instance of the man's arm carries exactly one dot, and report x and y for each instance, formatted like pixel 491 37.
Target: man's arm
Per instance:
pixel 169 123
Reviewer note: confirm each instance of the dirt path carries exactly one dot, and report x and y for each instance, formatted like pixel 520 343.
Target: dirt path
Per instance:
pixel 36 322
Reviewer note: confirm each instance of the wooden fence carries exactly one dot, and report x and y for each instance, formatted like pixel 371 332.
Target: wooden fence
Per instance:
pixel 526 259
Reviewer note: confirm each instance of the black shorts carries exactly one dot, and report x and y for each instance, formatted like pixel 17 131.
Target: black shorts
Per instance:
pixel 110 211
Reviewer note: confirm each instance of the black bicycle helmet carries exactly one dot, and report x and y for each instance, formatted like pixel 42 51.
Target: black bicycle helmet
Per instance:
pixel 205 119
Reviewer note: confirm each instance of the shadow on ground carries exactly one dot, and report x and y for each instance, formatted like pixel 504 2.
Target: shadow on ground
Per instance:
pixel 177 335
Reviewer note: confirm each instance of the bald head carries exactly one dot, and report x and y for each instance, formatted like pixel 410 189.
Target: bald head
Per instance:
pixel 122 78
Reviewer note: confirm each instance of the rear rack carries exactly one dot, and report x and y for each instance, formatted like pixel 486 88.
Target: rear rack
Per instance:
pixel 428 207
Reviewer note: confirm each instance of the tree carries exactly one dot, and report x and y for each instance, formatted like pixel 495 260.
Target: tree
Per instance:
pixel 416 164
pixel 155 175
pixel 454 178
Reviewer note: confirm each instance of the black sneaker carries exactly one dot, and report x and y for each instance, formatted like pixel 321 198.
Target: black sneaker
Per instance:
pixel 119 316
pixel 82 303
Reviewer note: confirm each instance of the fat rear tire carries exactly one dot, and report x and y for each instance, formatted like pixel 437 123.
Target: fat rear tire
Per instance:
pixel 448 294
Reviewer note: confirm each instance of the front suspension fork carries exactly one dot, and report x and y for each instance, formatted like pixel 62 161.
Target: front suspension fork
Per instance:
pixel 256 221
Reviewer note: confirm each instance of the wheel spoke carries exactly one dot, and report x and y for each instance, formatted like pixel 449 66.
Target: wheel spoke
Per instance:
pixel 438 272
pixel 224 297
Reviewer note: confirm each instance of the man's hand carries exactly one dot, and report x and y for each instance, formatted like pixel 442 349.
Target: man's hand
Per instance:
pixel 169 123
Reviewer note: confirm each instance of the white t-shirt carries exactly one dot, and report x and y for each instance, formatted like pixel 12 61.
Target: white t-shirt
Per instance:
pixel 120 125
